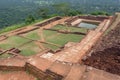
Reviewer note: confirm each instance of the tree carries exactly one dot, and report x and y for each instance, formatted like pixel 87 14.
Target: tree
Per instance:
pixel 62 8
pixel 29 19
pixel 43 13
pixel 73 12
pixel 100 13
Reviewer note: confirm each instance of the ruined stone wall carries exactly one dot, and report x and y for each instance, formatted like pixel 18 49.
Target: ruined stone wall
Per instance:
pixel 112 39
pixel 98 18
pixel 40 74
pixel 3 37
pixel 12 68
pixel 49 21
pixel 113 19
pixel 40 25
pixel 72 19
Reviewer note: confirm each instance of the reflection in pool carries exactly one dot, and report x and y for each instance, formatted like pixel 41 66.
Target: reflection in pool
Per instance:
pixel 88 25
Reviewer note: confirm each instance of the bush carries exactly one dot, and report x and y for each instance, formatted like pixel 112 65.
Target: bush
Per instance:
pixel 29 19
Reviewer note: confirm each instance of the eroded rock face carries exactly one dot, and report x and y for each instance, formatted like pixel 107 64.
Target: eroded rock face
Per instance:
pixel 108 60
pixel 106 54
pixel 110 40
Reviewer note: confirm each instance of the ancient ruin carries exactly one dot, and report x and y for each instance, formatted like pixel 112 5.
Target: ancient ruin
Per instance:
pixel 63 48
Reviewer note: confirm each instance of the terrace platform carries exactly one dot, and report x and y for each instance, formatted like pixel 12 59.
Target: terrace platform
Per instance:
pixel 65 62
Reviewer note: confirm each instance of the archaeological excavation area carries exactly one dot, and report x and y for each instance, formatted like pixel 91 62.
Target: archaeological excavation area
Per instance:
pixel 63 48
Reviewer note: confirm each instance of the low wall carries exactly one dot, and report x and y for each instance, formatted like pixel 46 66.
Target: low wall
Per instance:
pixel 69 21
pixel 113 19
pixel 23 32
pixel 48 21
pixel 12 68
pixel 97 18
pixel 40 25
pixel 67 32
pixel 108 40
pixel 40 74
pixel 3 37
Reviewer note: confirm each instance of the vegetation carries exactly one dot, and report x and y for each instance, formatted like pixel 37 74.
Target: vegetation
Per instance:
pixel 100 13
pixel 43 12
pixel 62 8
pixel 13 27
pixel 33 35
pixel 61 39
pixel 72 29
pixel 16 11
pixel 30 19
pixel 26 45
pixel 5 56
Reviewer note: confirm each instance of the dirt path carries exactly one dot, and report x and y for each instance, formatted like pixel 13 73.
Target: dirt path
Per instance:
pixel 40 45
pixel 40 33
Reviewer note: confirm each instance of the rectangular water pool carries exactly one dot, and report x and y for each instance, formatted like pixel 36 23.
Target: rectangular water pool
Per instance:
pixel 88 25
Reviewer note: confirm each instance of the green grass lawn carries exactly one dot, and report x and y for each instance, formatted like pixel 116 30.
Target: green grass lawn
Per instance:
pixel 5 56
pixel 13 42
pixel 18 42
pixel 30 48
pixel 72 29
pixel 60 39
pixel 33 35
pixel 53 37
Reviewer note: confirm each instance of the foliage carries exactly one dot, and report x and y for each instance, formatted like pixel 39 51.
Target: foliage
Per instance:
pixel 15 11
pixel 62 8
pixel 100 13
pixel 29 19
pixel 10 28
pixel 43 12
pixel 16 26
pixel 72 12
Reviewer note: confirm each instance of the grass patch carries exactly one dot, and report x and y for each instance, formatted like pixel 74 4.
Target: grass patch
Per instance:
pixel 5 56
pixel 54 37
pixel 72 29
pixel 13 27
pixel 59 39
pixel 33 35
pixel 30 49
pixel 13 42
pixel 16 26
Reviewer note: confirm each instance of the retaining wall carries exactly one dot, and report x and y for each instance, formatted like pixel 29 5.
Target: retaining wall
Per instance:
pixel 40 74
pixel 49 21
pixel 98 18
pixel 11 68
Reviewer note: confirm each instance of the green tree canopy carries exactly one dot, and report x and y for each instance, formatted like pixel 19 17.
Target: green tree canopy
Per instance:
pixel 62 8
pixel 73 12
pixel 43 12
pixel 29 19
pixel 100 13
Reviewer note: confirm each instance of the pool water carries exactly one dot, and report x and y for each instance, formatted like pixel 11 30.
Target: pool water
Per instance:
pixel 87 25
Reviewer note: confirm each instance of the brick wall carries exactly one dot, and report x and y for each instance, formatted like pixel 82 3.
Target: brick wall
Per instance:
pixel 12 68
pixel 40 74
